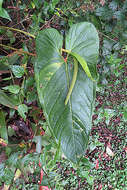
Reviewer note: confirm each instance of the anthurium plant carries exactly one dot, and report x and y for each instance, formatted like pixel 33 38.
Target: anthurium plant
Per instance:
pixel 66 75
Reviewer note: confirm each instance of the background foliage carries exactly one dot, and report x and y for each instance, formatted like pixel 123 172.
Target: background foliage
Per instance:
pixel 21 118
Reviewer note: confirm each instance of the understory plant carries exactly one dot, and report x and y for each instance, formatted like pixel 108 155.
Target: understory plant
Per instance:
pixel 65 74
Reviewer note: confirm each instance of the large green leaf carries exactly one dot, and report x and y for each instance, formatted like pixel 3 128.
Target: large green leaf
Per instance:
pixel 71 124
pixel 82 42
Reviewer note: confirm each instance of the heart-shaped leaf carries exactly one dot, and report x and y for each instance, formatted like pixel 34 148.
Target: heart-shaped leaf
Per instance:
pixel 70 124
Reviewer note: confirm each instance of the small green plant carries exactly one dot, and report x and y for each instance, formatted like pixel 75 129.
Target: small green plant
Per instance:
pixel 114 64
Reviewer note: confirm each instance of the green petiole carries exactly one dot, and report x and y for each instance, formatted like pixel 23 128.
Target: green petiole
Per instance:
pixel 73 81
pixel 77 58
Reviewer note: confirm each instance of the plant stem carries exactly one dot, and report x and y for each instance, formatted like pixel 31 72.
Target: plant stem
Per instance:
pixel 65 50
pixel 107 37
pixel 47 178
pixel 17 30
pixel 73 81
pixel 19 51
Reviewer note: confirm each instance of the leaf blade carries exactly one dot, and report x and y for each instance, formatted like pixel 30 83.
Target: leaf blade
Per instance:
pixel 4 14
pixel 70 124
pixel 83 64
pixel 83 40
pixel 3 129
pixel 22 109
pixel 6 100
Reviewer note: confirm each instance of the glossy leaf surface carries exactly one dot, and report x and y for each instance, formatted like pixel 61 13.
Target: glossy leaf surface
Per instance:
pixel 71 124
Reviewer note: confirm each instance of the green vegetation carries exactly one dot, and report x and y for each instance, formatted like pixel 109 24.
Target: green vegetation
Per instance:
pixel 70 120
pixel 30 142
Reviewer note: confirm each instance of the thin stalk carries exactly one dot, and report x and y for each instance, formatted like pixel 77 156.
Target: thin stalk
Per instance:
pixel 73 81
pixel 19 51
pixel 65 50
pixel 17 30
pixel 107 36
pixel 66 70
pixel 47 178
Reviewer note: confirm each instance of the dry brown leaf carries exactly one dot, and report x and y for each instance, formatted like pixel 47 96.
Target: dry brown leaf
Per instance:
pixel 6 187
pixel 109 151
